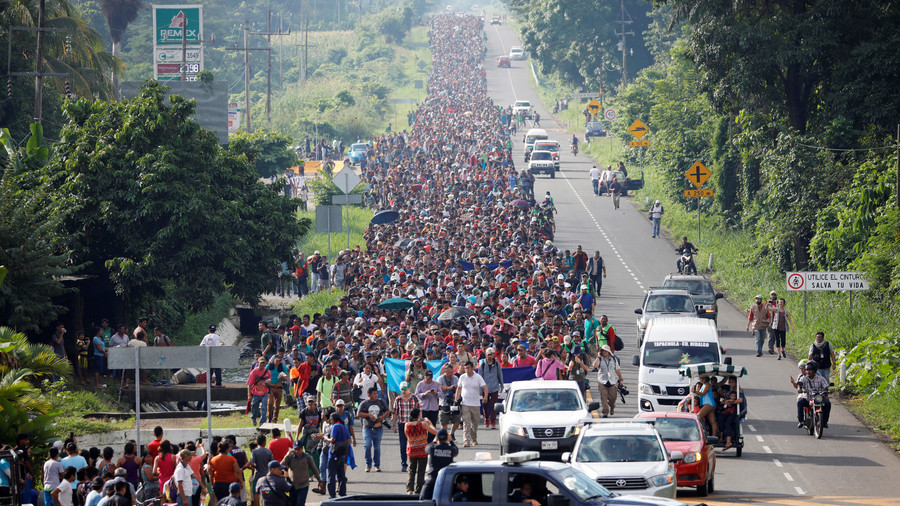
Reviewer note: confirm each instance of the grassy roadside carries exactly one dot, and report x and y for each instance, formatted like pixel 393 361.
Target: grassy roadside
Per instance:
pixel 408 56
pixel 313 241
pixel 741 274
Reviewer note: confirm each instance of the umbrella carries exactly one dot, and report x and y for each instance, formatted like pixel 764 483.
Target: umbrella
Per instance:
pixel 385 217
pixel 454 313
pixel 402 243
pixel 396 303
pixel 415 187
pixel 520 203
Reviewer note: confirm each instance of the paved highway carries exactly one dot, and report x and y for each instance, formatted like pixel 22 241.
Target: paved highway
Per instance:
pixel 780 463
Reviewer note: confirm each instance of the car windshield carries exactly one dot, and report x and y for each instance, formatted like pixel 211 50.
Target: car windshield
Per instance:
pixel 670 304
pixel 541 155
pixel 677 429
pixel 359 147
pixel 678 353
pixel 620 448
pixel 523 103
pixel 583 487
pixel 594 125
pixel 546 399
pixel 695 287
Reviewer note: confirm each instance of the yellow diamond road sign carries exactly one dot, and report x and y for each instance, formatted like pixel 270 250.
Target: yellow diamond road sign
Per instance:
pixel 698 174
pixel 638 129
pixel 594 106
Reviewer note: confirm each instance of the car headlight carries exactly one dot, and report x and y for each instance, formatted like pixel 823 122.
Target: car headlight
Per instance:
pixel 644 388
pixel 517 430
pixel 661 480
pixel 690 458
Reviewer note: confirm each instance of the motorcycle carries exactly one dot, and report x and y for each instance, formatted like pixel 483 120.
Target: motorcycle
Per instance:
pixel 574 149
pixel 685 263
pixel 813 414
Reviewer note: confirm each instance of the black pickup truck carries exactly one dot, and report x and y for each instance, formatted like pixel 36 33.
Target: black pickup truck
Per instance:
pixel 502 481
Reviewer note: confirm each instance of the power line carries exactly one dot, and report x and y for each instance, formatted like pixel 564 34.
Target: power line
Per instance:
pixel 847 150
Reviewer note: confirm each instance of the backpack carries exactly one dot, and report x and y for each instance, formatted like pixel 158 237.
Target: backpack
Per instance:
pixel 340 449
pixel 170 490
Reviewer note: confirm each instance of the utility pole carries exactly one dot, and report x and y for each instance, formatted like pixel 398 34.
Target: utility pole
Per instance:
pixel 268 34
pixel 39 73
pixel 246 49
pixel 305 65
pixel 621 44
pixel 184 63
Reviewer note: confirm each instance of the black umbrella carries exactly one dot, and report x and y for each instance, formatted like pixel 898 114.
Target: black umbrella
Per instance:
pixel 402 243
pixel 384 217
pixel 520 203
pixel 454 313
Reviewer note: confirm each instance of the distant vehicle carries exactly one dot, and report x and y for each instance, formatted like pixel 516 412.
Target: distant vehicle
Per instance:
pixel 701 289
pixel 516 53
pixel 533 135
pixel 357 152
pixel 551 146
pixel 684 432
pixel 503 62
pixel 661 302
pixel 542 416
pixel 626 457
pixel 495 20
pixel 593 129
pixel 524 107
pixel 542 162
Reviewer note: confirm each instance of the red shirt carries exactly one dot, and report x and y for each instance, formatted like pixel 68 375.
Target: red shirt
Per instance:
pixel 153 447
pixel 280 447
pixel 522 362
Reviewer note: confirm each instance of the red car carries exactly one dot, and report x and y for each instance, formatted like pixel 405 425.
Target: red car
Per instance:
pixel 503 61
pixel 685 433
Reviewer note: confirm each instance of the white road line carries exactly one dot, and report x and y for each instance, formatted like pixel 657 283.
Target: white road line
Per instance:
pixel 788 477
pixel 759 438
pixel 777 463
pixel 799 491
pixel 767 449
pixel 752 428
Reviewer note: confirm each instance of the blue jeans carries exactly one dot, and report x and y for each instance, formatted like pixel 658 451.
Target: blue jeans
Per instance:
pixel 401 433
pixel 300 495
pixel 372 445
pixel 826 373
pixel 760 336
pixel 323 465
pixel 258 408
pixel 337 473
pixel 595 183
pixel 656 222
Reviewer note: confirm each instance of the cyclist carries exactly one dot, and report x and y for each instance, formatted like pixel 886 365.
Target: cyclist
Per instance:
pixel 807 386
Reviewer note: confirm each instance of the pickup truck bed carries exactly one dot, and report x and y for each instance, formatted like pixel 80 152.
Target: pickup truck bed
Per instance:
pixel 393 499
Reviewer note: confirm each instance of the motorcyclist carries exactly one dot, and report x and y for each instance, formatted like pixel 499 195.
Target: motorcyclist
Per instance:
pixel 807 386
pixel 686 247
pixel 574 145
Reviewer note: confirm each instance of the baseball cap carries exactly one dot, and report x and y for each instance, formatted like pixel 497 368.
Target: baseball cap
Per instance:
pixel 212 328
pixel 339 402
pixel 298 444
pixel 234 488
pixel 442 434
pixel 428 372
pixel 404 385
pixel 275 465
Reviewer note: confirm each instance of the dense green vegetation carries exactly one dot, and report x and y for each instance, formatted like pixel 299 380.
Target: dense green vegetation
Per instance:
pixel 793 115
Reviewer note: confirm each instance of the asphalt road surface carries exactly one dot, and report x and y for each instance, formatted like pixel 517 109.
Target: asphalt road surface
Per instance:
pixel 780 464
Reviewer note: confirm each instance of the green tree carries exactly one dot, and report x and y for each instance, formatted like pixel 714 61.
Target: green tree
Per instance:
pixel 151 203
pixel 268 151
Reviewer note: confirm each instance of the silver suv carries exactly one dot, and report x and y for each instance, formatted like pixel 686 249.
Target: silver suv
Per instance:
pixel 664 302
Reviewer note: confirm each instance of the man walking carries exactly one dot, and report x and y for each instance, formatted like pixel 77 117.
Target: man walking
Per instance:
pixel 771 309
pixel 449 383
pixel 403 406
pixel 273 488
pixel 615 189
pixel 595 180
pixel 300 466
pixel 373 410
pixel 213 339
pixel 607 368
pixel 492 373
pixel 758 318
pixel 822 353
pixel 472 391
pixel 580 261
pixel 596 271
pixel 656 212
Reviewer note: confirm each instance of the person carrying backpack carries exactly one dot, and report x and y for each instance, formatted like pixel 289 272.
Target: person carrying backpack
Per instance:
pixel 822 353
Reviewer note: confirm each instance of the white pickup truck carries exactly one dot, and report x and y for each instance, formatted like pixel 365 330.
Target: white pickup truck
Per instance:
pixel 524 107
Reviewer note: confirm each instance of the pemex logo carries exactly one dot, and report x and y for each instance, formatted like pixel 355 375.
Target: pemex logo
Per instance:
pixel 178 20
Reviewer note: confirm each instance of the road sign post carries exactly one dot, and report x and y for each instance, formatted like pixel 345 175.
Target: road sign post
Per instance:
pixel 346 180
pixel 698 174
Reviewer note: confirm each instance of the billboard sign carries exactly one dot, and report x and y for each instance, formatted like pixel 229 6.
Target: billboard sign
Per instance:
pixel 172 26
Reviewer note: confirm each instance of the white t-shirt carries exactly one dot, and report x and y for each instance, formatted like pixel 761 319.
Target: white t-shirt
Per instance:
pixel 211 340
pixel 595 173
pixel 52 470
pixel 471 391
pixel 65 493
pixel 183 474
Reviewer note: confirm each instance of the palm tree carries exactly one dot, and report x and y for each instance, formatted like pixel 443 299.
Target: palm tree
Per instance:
pixel 119 14
pixel 78 52
pixel 17 354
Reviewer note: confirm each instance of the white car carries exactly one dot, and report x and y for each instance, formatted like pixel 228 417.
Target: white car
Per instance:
pixel 542 416
pixel 626 457
pixel 516 53
pixel 542 162
pixel 522 106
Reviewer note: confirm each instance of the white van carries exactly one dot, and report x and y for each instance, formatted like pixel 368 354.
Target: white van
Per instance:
pixel 668 344
pixel 531 136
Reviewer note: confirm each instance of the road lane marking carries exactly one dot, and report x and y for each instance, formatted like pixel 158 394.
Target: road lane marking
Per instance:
pixel 508 70
pixel 777 463
pixel 752 428
pixel 799 491
pixel 767 449
pixel 788 477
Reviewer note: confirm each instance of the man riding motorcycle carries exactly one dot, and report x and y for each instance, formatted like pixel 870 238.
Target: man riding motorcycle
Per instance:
pixel 808 385
pixel 574 145
pixel 686 248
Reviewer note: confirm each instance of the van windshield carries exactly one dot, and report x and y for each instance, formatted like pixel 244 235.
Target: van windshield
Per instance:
pixel 547 399
pixel 532 138
pixel 696 287
pixel 675 354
